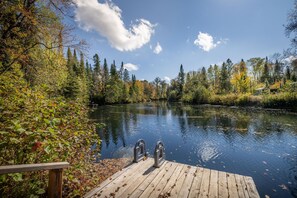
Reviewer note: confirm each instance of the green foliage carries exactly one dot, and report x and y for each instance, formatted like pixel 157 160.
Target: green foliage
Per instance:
pixel 282 100
pixel 36 129
pixel 200 95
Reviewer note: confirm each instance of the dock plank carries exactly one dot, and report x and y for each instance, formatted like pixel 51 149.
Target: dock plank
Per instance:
pixel 223 184
pixel 187 184
pixel 214 190
pixel 177 186
pixel 174 180
pixel 241 187
pixel 167 189
pixel 161 185
pixel 232 185
pixel 195 189
pixel 251 187
pixel 205 184
pixel 163 170
pixel 112 188
pixel 145 183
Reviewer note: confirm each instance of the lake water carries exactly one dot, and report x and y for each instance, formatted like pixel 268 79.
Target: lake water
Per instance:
pixel 257 143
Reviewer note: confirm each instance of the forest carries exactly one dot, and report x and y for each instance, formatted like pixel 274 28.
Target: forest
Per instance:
pixel 47 86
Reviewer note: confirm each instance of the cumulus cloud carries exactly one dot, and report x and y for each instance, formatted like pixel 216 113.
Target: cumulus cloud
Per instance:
pixel 289 59
pixel 131 67
pixel 206 42
pixel 158 49
pixel 106 19
pixel 167 79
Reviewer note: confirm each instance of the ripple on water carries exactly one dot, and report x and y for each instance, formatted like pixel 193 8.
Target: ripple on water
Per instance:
pixel 207 151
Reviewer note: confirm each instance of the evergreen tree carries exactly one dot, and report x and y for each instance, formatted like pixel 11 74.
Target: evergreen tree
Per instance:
pixel 121 72
pixel 288 73
pixel 204 77
pixel 75 63
pixel 69 59
pixel 157 82
pixel 126 77
pixel 277 71
pixel 216 76
pixel 96 60
pixel 105 75
pixel 82 66
pixel 210 76
pixel 113 70
pixel 181 80
pixel 229 66
pixel 266 72
pixel 224 79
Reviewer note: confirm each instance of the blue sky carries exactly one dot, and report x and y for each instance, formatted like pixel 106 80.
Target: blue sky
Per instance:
pixel 194 33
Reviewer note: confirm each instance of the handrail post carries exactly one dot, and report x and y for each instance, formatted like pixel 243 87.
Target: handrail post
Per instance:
pixel 159 154
pixel 139 151
pixel 55 183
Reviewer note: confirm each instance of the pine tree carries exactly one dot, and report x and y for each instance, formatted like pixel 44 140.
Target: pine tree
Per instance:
pixel 121 72
pixel 224 79
pixel 126 77
pixel 69 59
pixel 75 63
pixel 82 66
pixel 96 60
pixel 277 71
pixel 181 80
pixel 113 70
pixel 288 73
pixel 204 77
pixel 105 75
pixel 266 73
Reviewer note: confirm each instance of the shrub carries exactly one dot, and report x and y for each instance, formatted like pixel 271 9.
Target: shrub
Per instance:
pixel 38 129
pixel 286 100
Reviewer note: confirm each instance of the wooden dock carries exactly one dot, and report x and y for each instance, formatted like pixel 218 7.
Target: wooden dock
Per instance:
pixel 174 180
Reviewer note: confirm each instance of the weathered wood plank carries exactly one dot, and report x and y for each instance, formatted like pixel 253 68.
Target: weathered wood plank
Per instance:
pixel 109 180
pixel 112 188
pixel 223 184
pixel 166 190
pixel 55 183
pixel 195 189
pixel 175 180
pixel 130 184
pixel 164 169
pixel 232 188
pixel 145 183
pixel 32 167
pixel 205 183
pixel 251 187
pixel 214 186
pixel 135 182
pixel 176 188
pixel 187 184
pixel 241 187
pixel 161 185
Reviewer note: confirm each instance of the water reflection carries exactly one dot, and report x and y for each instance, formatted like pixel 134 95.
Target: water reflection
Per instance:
pixel 252 142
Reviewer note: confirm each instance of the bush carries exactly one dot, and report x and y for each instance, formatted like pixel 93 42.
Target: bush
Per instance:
pixel 200 95
pixel 286 100
pixel 38 129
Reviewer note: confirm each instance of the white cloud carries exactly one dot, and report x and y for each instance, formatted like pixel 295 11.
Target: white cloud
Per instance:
pixel 206 42
pixel 106 19
pixel 131 67
pixel 290 59
pixel 158 49
pixel 167 79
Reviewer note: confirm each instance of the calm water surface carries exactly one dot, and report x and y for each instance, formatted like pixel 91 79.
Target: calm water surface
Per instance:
pixel 243 141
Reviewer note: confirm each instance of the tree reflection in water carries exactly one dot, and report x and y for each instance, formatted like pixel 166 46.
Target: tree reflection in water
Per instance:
pixel 247 141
